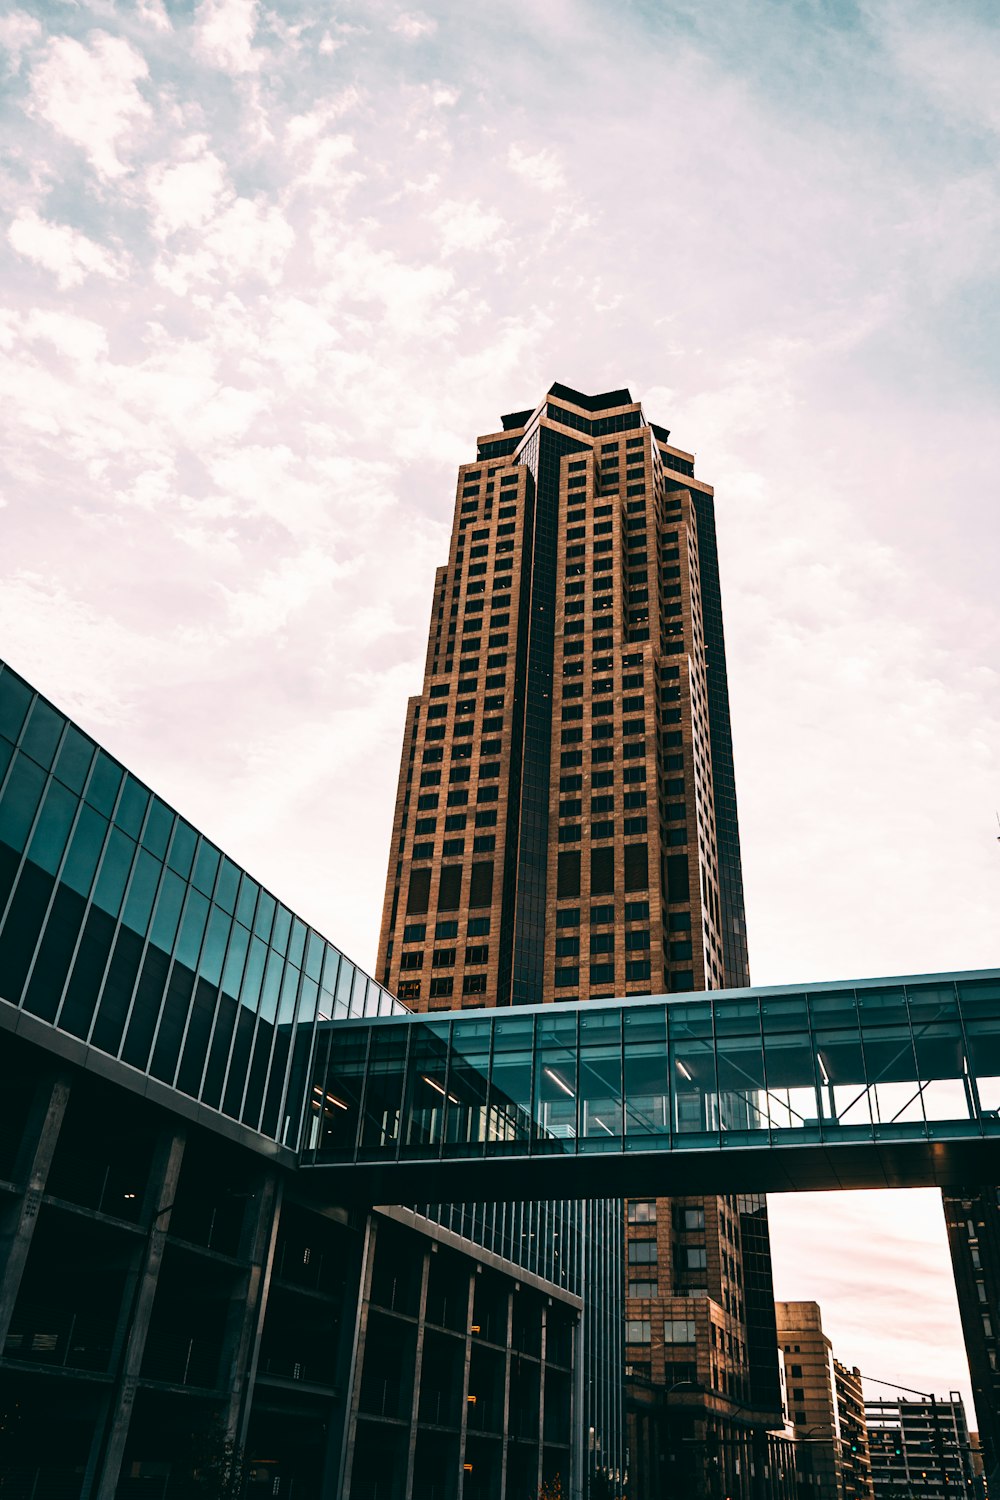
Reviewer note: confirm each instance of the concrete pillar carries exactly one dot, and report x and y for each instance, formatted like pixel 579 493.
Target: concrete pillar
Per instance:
pixel 465 1385
pixel 245 1320
pixel 418 1362
pixel 163 1178
pixel 38 1144
pixel 357 1360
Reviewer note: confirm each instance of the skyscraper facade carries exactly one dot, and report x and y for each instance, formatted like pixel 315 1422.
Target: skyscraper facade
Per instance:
pixel 565 824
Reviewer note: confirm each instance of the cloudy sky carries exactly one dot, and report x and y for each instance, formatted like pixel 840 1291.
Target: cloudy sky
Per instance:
pixel 269 268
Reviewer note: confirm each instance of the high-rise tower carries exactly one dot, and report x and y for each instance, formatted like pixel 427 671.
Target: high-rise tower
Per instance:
pixel 565 824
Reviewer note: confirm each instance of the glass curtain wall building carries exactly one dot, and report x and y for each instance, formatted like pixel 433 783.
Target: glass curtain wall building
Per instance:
pixel 565 824
pixel 173 1291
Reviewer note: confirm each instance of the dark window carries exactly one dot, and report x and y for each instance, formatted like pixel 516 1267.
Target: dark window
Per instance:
pixel 442 986
pixel 568 877
pixel 419 891
pixel 450 888
pixel 481 887
pixel 678 887
pixel 636 867
pixel 602 872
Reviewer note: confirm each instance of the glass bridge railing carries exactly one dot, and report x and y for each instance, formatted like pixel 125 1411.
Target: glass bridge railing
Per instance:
pixel 874 1061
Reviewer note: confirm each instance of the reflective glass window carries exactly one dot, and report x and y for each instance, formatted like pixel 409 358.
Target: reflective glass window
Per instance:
pixel 227 885
pixel 141 892
pixel 131 809
pixel 105 780
pixel 115 867
pixel 247 902
pixel 156 834
pixel 205 867
pixel 41 733
pixel 15 697
pixel 48 842
pixel 21 797
pixel 73 761
pixel 182 847
pixel 85 850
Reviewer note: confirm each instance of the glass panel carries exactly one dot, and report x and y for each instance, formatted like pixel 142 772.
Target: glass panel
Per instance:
pixel 232 973
pixel 254 974
pixel 427 1089
pixel 214 947
pixel 345 979
pixel 740 1062
pixel 52 829
pixel 384 1089
pixel 156 834
pixel 692 1073
pixel 262 922
pixel 182 848
pixel 929 1003
pixel 833 1008
pixel 205 866
pixel 73 761
pixel 227 886
pixel 335 1106
pixel 600 1077
pixel 555 1076
pixel 168 911
pixel 892 1072
pixel 878 1007
pixel 314 956
pixel 192 929
pixel 467 1116
pixel 984 1059
pixel 41 733
pixel 105 779
pixel 131 807
pixel 941 1068
pixel 246 903
pixel 790 1070
pixel 84 850
pixel 281 929
pixel 647 1095
pixel 510 1082
pixel 15 696
pixel 20 799
pixel 297 943
pixel 289 995
pixel 142 892
pixel 115 866
pixel 843 1082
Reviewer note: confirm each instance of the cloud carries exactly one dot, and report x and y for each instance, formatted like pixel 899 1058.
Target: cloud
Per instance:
pixel 542 168
pixel 64 251
pixel 413 25
pixel 90 96
pixel 224 34
pixel 18 34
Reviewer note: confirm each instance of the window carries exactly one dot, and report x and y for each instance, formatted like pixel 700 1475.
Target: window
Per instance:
pixel 642 1252
pixel 478 927
pixel 442 986
pixel 412 960
pixel 602 942
pixel 600 914
pixel 568 874
pixel 602 872
pixel 474 984
pixel 567 947
pixel 638 1331
pixel 602 973
pixel 418 893
pixel 450 886
pixel 693 1218
pixel 696 1257
pixel 444 958
pixel 679 1330
pixel 446 930
pixel 567 977
pixel 642 1210
pixel 568 917
pixel 643 1289
pixel 414 932
pixel 478 954
pixel 796 1372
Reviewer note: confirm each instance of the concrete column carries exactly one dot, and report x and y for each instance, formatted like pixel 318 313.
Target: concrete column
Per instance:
pixel 418 1361
pixel 357 1359
pixel 506 1396
pixel 163 1178
pixel 465 1385
pixel 38 1144
pixel 245 1320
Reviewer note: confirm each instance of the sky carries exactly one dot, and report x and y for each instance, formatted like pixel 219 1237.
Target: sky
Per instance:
pixel 267 271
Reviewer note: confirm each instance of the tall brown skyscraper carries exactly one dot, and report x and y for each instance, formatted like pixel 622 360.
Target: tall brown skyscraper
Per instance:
pixel 565 824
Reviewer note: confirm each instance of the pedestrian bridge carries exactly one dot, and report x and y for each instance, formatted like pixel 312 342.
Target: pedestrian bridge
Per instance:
pixel 872 1083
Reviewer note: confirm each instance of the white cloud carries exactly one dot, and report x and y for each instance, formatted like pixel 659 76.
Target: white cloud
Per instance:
pixel 542 168
pixel 413 25
pixel 64 251
pixel 18 34
pixel 468 226
pixel 224 34
pixel 187 193
pixel 90 95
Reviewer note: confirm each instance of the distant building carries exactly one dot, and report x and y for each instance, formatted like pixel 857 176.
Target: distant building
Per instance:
pixel 972 1216
pixel 921 1449
pixel 825 1408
